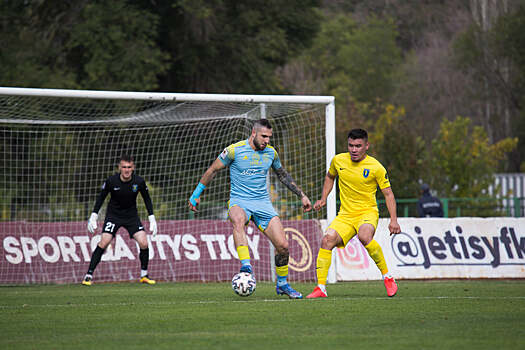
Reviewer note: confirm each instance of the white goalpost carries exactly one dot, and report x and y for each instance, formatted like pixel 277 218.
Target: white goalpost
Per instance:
pixel 58 146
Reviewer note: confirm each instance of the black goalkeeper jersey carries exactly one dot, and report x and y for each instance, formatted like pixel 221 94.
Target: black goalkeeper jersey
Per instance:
pixel 123 202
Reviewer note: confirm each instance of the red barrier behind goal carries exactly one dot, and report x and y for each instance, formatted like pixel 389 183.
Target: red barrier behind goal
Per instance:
pixel 184 250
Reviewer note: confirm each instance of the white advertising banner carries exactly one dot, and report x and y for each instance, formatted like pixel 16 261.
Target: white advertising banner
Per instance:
pixel 440 248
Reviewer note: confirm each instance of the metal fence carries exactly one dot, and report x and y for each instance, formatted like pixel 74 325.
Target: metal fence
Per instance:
pixel 464 207
pixel 508 187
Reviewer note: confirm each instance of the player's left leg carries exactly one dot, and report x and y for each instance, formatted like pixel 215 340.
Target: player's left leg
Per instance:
pixel 366 236
pixel 275 232
pixel 142 240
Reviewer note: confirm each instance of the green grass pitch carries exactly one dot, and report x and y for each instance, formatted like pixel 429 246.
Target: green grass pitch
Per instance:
pixel 480 314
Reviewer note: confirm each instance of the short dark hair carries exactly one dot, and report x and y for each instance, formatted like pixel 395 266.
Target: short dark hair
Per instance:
pixel 262 123
pixel 355 134
pixel 127 158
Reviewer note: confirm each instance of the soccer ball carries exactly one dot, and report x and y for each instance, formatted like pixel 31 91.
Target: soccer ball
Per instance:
pixel 243 284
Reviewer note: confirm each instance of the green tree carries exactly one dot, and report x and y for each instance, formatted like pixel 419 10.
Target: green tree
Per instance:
pixel 80 44
pixel 401 152
pixel 31 45
pixel 358 64
pixel 231 46
pixel 463 160
pixel 491 50
pixel 359 61
pixel 413 18
pixel 510 42
pixel 112 47
pixel 180 45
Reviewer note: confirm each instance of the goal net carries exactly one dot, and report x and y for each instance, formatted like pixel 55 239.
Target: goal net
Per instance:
pixel 58 147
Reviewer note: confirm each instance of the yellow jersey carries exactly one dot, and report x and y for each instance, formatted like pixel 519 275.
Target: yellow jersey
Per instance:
pixel 358 182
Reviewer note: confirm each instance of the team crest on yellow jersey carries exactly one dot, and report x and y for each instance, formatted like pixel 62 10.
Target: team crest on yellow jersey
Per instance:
pixel 366 172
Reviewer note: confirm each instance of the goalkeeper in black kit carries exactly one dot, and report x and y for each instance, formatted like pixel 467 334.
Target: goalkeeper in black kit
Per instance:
pixel 122 212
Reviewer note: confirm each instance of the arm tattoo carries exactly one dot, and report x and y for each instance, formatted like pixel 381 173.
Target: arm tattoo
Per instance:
pixel 287 180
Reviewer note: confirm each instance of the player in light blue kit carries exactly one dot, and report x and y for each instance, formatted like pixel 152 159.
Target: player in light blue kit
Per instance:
pixel 249 162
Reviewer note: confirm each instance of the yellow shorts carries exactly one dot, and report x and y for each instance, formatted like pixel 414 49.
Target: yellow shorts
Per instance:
pixel 347 225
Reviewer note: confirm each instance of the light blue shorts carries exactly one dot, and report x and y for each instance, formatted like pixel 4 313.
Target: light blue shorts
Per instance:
pixel 259 211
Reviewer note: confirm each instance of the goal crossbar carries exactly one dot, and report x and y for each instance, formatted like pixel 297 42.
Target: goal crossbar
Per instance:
pixel 166 96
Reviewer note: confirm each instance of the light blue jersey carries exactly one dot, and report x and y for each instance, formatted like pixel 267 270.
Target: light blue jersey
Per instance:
pixel 248 172
pixel 248 169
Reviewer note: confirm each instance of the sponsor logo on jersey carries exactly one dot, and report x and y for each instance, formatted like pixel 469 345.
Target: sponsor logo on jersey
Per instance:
pixel 251 172
pixel 116 188
pixel 224 154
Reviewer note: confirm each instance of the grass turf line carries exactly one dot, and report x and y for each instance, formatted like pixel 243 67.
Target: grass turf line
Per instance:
pixel 482 314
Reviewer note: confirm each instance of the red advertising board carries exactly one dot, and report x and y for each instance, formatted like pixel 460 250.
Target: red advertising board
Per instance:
pixel 184 250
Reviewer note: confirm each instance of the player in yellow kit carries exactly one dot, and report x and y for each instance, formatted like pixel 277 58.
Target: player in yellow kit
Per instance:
pixel 359 176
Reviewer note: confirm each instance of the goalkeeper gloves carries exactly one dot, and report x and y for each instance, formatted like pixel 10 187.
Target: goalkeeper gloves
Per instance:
pixel 152 225
pixel 92 223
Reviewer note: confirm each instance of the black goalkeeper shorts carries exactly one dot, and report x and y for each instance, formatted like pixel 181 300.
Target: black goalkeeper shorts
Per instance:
pixel 131 224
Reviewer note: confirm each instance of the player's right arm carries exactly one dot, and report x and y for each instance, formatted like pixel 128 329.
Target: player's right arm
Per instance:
pixel 329 181
pixel 209 174
pixel 104 191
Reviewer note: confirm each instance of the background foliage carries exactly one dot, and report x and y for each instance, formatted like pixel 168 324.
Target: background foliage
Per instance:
pixel 439 84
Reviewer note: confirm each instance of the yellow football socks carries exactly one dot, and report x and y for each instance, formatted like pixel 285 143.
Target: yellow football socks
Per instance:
pixel 376 253
pixel 282 271
pixel 324 259
pixel 243 252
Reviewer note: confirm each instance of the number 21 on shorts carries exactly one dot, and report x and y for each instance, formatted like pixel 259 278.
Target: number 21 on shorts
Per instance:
pixel 109 227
